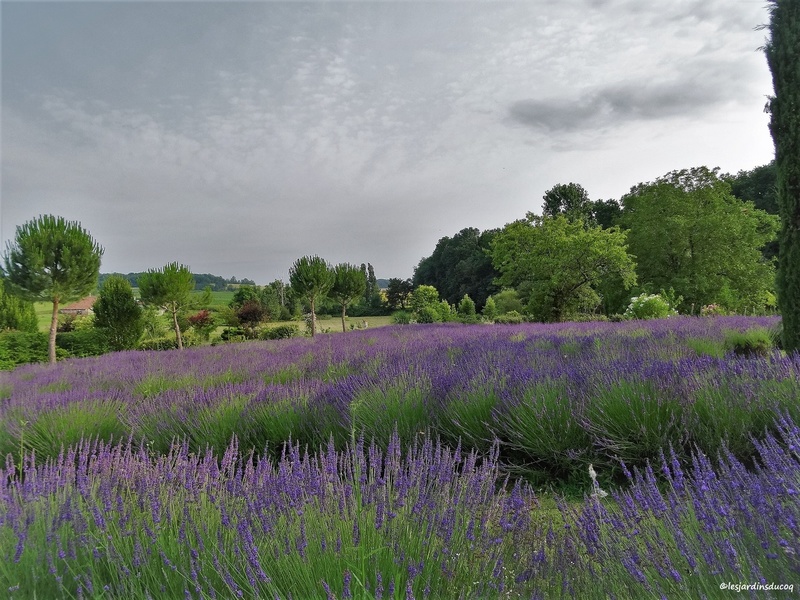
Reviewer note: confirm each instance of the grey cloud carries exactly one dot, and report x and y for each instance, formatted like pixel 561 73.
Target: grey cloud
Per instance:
pixel 618 104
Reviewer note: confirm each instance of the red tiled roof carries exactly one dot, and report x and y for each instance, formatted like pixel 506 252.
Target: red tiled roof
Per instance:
pixel 84 304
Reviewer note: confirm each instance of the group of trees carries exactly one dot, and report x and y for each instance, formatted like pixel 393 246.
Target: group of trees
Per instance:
pixel 57 261
pixel 686 234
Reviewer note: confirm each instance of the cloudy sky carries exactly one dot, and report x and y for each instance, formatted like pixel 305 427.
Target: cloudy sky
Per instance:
pixel 237 137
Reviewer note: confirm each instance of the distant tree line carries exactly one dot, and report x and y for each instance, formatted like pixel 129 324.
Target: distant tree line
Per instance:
pixel 201 281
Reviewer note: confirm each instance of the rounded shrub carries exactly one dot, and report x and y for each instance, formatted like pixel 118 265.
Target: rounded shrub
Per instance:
pixel 649 306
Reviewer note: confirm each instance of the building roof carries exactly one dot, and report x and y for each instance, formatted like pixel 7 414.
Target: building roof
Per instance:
pixel 84 305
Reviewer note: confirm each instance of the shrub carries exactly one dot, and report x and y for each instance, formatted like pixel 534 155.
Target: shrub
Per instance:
pixel 161 343
pixel 713 310
pixel 489 309
pixel 402 317
pixel 649 306
pixel 509 318
pixel 203 323
pixel 429 314
pixel 280 332
pixel 466 309
pixel 82 343
pixel 753 342
pixel 19 348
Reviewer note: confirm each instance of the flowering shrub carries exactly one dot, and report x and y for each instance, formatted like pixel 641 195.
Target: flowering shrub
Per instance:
pixel 649 306
pixel 713 310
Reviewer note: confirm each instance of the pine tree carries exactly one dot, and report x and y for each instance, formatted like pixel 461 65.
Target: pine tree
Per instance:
pixel 783 57
pixel 54 260
pixel 168 288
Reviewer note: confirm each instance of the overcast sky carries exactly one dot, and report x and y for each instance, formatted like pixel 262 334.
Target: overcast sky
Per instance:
pixel 237 137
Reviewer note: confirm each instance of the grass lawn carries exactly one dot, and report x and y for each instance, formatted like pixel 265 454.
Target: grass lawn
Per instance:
pixel 44 312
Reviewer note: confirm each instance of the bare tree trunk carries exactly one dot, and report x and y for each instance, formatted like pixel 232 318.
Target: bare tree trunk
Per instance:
pixel 344 314
pixel 177 327
pixel 51 347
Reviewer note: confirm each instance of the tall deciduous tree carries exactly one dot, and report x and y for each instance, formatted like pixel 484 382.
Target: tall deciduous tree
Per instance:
pixel 782 50
pixel 569 200
pixel 691 234
pixel 348 285
pixel 560 262
pixel 168 288
pixel 398 292
pixel 53 260
pixel 311 278
pixel 118 314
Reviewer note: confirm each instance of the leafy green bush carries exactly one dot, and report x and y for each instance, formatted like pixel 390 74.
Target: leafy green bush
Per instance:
pixel 401 317
pixel 19 348
pixel 429 314
pixel 649 306
pixel 85 342
pixel 509 318
pixel 588 318
pixel 280 332
pixel 161 343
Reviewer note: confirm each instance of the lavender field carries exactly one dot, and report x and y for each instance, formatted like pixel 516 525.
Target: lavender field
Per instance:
pixel 403 463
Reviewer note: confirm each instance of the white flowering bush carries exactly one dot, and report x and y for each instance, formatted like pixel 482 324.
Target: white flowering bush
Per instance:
pixel 649 306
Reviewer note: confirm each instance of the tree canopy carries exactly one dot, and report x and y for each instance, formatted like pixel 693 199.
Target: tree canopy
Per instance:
pixel 558 263
pixel 348 285
pixel 460 265
pixel 689 233
pixel 569 200
pixel 311 278
pixel 168 288
pixel 117 313
pixel 54 260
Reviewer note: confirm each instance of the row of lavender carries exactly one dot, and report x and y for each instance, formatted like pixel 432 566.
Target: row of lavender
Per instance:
pixel 107 521
pixel 557 397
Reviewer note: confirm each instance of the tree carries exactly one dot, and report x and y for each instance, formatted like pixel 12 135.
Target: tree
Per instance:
pixel 266 297
pixel 466 310
pixel 311 278
pixel 759 186
pixel 372 291
pixel 348 285
pixel 689 233
pixel 606 213
pixel 16 313
pixel 489 309
pixel 168 288
pixel 559 263
pixel 460 265
pixel 118 315
pixel 54 260
pixel 569 200
pixel 784 108
pixel 398 292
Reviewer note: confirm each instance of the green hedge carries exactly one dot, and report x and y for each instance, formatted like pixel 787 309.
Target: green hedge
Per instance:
pixel 86 342
pixel 19 348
